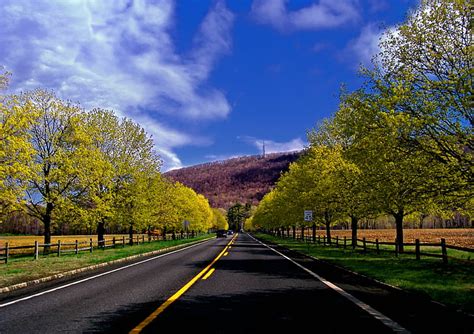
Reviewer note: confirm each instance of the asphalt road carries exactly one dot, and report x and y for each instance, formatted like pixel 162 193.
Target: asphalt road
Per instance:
pixel 249 288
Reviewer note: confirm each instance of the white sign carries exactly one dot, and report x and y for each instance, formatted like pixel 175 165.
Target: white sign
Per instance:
pixel 308 215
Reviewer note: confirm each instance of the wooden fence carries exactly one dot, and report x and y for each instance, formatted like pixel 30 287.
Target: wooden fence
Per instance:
pixel 61 248
pixel 374 245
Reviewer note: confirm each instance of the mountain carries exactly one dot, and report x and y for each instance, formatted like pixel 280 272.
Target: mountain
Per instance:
pixel 244 179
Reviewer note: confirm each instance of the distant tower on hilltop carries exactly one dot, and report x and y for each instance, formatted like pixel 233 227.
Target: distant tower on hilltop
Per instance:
pixel 263 149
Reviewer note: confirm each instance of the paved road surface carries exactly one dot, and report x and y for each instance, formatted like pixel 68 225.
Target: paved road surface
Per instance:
pixel 250 289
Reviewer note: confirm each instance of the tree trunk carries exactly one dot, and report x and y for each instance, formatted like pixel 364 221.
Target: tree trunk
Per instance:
pixel 47 226
pixel 422 218
pixel 164 233
pixel 399 227
pixel 354 221
pixel 130 234
pixel 327 219
pixel 101 233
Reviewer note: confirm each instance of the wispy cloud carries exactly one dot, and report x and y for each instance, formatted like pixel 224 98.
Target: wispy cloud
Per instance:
pixel 219 157
pixel 274 147
pixel 378 5
pixel 118 55
pixel 320 15
pixel 364 47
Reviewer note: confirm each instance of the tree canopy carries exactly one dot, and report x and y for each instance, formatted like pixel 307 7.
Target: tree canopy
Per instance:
pixel 402 143
pixel 63 164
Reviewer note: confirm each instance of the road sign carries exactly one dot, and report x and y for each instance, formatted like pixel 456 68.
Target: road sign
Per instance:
pixel 308 215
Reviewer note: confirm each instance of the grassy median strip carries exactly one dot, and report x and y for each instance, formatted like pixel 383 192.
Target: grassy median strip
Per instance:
pixel 451 284
pixel 25 269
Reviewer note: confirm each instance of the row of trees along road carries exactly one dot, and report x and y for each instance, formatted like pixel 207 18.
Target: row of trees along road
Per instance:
pixel 59 162
pixel 401 144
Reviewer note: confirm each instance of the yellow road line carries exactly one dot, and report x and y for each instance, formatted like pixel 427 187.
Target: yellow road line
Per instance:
pixel 178 294
pixel 209 273
pixel 226 253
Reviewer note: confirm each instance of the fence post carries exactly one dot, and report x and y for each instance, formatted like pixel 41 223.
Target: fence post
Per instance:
pixel 59 247
pixel 91 245
pixel 123 241
pixel 314 233
pixel 294 232
pixel 364 244
pixel 337 241
pixel 417 249
pixel 345 242
pixel 36 250
pixel 77 247
pixel 324 240
pixel 319 239
pixel 7 252
pixel 396 247
pixel 444 251
pixel 113 242
pixel 377 246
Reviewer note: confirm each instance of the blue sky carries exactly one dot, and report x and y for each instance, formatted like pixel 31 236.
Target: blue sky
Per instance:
pixel 208 79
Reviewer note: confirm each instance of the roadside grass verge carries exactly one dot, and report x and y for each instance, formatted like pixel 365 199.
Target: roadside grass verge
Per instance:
pixel 451 284
pixel 24 269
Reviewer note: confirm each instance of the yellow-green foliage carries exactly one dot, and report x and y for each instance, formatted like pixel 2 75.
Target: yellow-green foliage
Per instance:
pixel 67 165
pixel 400 145
pixel 15 149
pixel 219 219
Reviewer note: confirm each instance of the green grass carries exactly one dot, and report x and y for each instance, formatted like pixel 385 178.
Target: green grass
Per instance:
pixel 24 269
pixel 451 284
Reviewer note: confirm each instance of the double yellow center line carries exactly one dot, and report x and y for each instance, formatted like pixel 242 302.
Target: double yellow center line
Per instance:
pixel 180 292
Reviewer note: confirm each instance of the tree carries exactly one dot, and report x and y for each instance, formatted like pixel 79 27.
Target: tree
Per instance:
pixel 426 65
pixel 65 163
pixel 219 219
pixel 15 149
pixel 348 178
pixel 135 165
pixel 236 216
pixel 400 181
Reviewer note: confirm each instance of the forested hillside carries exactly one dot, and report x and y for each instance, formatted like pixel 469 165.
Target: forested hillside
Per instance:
pixel 244 179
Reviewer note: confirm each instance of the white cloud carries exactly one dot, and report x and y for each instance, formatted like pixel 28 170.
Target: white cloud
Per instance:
pixel 274 147
pixel 319 15
pixel 220 157
pixel 118 55
pixel 363 48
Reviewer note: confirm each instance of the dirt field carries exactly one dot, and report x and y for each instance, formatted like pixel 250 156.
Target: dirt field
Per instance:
pixel 457 237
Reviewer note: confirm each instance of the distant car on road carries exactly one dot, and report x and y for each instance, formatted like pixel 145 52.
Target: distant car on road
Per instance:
pixel 230 232
pixel 221 234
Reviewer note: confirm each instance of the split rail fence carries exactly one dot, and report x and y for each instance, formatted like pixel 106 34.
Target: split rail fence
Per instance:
pixel 429 249
pixel 61 248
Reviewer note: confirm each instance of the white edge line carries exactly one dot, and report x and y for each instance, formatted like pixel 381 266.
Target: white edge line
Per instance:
pixel 376 314
pixel 99 275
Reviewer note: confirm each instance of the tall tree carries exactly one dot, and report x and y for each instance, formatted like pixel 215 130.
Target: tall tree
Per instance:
pixel 348 178
pixel 399 180
pixel 15 149
pixel 136 164
pixel 426 65
pixel 65 164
